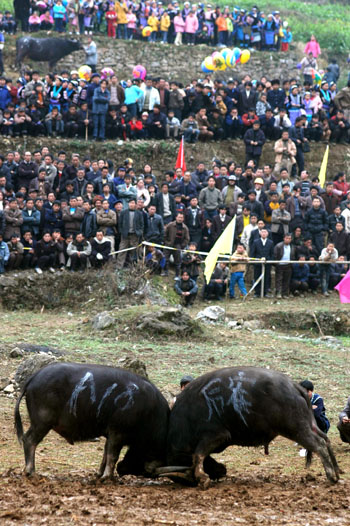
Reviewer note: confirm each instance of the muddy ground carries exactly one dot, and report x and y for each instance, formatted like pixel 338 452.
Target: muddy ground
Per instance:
pixel 259 489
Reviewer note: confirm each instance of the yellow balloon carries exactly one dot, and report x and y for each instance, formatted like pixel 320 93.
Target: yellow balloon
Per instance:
pixel 147 30
pixel 245 56
pixel 85 72
pixel 208 62
pixel 222 67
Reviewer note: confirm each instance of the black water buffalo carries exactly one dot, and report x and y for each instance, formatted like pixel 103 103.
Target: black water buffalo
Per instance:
pixel 49 50
pixel 81 402
pixel 245 406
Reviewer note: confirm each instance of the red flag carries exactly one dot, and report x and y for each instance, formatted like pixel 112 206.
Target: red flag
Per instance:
pixel 180 161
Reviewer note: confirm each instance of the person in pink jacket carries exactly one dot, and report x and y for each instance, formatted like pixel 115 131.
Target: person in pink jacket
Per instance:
pixel 313 47
pixel 179 26
pixel 191 27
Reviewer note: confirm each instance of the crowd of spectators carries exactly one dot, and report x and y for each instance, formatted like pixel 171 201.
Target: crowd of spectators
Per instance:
pixel 65 105
pixel 164 22
pixel 59 213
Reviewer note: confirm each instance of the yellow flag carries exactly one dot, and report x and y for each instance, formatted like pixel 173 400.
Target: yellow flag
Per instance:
pixel 323 169
pixel 222 246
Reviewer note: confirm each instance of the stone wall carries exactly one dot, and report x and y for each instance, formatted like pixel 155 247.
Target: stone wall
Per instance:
pixel 177 63
pixel 162 154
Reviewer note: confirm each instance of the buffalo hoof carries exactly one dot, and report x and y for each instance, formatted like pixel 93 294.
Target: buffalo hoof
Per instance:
pixel 214 469
pixel 204 483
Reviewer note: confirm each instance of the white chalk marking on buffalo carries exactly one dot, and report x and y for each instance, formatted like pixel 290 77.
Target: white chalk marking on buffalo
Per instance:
pixel 85 382
pixel 129 394
pixel 105 396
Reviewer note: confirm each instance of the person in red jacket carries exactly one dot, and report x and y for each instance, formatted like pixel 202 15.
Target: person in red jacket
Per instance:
pixel 248 119
pixel 136 128
pixel 111 17
pixel 340 186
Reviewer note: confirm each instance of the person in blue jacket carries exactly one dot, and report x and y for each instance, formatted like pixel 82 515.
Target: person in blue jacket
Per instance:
pixel 317 405
pixel 100 103
pixel 4 254
pixel 5 96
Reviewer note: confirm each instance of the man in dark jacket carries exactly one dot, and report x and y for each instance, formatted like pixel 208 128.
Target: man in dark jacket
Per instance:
pixel 45 253
pixel 131 225
pixel 247 98
pixel 341 240
pixel 276 96
pixel 100 250
pixel 254 205
pixel 186 288
pixel 194 221
pixel 27 170
pixel 335 218
pixel 187 189
pixel 254 140
pixel 220 222
pixel 262 248
pixel 89 224
pixel 178 237
pixel 284 252
pixel 316 223
pixel 156 123
pixel 53 218
pixel 165 203
pixel 155 226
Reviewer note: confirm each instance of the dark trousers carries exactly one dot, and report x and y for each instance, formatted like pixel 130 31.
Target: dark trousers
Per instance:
pixel 189 300
pixel 301 286
pixel 177 259
pixel 300 159
pixel 267 279
pixel 214 289
pixel 283 276
pixel 130 241
pixel 325 273
pixel 14 261
pixel 78 262
pixel 28 260
pixel 317 241
pixel 72 128
pixel 46 261
pixel 99 120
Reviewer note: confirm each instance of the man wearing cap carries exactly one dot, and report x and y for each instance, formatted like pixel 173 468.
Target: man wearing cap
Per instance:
pixel 230 192
pixel 254 140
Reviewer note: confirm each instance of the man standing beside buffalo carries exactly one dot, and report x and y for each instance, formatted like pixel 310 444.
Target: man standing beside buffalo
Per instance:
pixel 91 54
